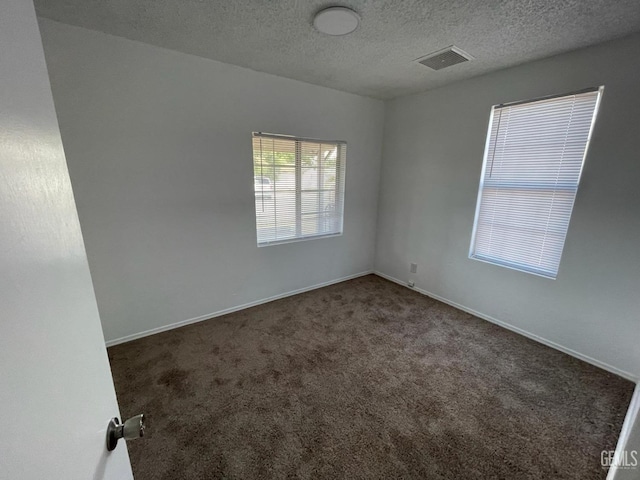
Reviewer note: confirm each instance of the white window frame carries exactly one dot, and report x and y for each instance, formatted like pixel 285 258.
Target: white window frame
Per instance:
pixel 340 186
pixel 506 263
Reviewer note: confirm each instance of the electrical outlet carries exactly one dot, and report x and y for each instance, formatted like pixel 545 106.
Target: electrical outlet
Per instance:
pixel 414 268
pixel 411 284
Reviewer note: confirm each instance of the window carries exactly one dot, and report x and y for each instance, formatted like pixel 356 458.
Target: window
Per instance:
pixel 532 164
pixel 299 187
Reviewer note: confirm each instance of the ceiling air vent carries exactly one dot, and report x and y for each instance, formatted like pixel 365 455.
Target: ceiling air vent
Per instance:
pixel 444 58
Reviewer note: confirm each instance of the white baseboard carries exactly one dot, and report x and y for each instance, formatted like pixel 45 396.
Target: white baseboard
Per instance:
pixel 201 318
pixel 623 440
pixel 537 338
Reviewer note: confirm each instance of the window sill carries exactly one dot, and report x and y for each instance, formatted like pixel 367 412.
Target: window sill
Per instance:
pixel 517 268
pixel 298 239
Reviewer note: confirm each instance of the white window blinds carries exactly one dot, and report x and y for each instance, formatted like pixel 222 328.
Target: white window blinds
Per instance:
pixel 532 163
pixel 299 187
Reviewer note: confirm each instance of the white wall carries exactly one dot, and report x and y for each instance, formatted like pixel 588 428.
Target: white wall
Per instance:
pixel 159 151
pixel 432 157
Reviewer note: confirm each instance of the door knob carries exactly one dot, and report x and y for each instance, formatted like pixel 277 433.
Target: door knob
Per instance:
pixel 129 430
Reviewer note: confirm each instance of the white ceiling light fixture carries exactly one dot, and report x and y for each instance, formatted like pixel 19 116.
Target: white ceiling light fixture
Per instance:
pixel 336 21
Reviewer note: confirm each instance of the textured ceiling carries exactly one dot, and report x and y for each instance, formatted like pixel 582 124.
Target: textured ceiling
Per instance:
pixel 276 36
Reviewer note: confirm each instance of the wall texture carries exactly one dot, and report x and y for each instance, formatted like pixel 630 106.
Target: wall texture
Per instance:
pixel 432 158
pixel 159 151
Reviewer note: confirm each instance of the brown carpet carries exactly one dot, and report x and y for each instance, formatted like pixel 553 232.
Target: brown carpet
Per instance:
pixel 363 379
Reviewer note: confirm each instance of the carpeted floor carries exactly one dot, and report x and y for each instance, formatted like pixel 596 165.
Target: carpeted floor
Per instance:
pixel 363 379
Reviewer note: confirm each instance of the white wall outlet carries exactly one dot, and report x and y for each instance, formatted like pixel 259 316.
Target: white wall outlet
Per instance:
pixel 413 268
pixel 411 283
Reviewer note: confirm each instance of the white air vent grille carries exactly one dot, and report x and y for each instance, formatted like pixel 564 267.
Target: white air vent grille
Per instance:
pixel 445 58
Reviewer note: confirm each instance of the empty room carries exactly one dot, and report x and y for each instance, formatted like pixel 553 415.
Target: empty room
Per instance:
pixel 304 239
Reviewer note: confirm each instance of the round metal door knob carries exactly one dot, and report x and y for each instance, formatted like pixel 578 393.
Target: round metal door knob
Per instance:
pixel 129 430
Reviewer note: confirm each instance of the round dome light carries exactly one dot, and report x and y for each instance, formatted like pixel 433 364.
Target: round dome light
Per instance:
pixel 336 21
